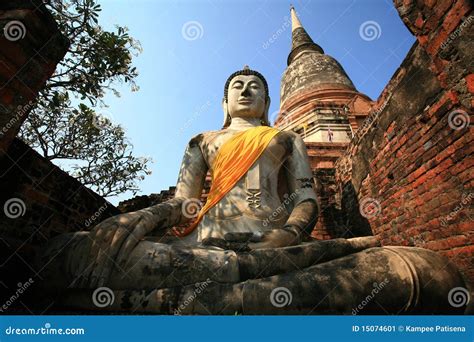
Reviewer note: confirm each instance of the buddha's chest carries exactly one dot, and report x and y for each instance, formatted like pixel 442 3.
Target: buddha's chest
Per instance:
pixel 273 156
pixel 255 194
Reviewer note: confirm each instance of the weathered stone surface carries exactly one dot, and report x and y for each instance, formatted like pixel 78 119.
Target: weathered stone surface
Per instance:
pixel 413 156
pixel 391 280
pixel 312 69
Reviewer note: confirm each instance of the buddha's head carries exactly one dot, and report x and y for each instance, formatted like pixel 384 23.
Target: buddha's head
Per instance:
pixel 246 96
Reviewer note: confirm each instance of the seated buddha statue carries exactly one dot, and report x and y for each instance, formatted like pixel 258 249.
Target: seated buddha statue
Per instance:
pixel 246 249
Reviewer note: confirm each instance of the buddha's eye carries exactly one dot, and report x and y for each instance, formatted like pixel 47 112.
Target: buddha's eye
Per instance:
pixel 237 85
pixel 254 86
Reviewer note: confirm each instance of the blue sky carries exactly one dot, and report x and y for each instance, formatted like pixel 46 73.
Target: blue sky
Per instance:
pixel 191 47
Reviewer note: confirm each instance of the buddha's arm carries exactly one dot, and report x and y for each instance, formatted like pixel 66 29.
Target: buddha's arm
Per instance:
pixel 305 208
pixel 115 238
pixel 301 188
pixel 188 188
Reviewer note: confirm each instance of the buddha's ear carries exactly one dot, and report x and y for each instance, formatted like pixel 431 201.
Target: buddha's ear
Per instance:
pixel 225 109
pixel 265 113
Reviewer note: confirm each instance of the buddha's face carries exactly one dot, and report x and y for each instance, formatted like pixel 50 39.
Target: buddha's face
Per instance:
pixel 246 97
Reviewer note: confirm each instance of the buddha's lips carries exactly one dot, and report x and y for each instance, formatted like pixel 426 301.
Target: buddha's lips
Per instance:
pixel 245 101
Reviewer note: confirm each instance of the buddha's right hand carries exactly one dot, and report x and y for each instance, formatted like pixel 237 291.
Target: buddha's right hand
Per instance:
pixel 112 242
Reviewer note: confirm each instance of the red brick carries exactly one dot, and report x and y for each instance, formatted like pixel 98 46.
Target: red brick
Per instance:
pixel 470 83
pixel 457 241
pixel 455 15
pixel 419 21
pixel 429 3
pixel 441 8
pixel 437 245
pixel 467 250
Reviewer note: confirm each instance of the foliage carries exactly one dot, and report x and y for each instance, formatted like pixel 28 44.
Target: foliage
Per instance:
pixel 69 120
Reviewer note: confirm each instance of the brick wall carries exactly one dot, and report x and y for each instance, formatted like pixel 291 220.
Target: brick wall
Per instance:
pixel 39 201
pixel 408 173
pixel 30 47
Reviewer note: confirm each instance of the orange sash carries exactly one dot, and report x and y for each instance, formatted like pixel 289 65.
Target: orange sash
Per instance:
pixel 234 159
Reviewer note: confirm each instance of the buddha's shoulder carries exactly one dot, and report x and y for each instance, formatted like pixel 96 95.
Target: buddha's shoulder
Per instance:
pixel 206 137
pixel 288 135
pixel 287 138
pixel 209 137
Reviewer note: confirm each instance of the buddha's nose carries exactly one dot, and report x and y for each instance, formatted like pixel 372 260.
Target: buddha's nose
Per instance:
pixel 246 92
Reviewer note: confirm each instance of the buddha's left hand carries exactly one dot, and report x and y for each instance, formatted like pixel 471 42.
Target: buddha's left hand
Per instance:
pixel 243 242
pixel 277 238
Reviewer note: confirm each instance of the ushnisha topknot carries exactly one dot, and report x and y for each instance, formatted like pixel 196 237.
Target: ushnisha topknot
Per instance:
pixel 245 71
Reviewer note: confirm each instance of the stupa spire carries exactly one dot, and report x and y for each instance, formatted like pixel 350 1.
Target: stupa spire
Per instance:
pixel 295 21
pixel 300 41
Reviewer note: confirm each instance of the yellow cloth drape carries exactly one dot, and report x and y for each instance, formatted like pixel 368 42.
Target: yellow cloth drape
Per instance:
pixel 233 160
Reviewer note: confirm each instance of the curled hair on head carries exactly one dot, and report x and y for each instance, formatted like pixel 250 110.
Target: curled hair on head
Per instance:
pixel 246 71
